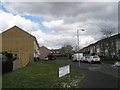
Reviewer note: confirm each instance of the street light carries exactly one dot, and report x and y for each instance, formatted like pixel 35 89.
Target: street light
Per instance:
pixel 78 41
pixel 78 36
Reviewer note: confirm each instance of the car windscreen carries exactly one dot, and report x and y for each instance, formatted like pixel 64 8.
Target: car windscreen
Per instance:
pixel 95 56
pixel 87 57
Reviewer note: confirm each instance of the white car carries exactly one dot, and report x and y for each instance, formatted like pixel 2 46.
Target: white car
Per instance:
pixel 117 63
pixel 46 58
pixel 94 58
pixel 84 59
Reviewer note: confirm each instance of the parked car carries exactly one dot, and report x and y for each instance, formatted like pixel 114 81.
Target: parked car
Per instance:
pixel 84 59
pixel 50 57
pixel 117 63
pixel 94 58
pixel 46 58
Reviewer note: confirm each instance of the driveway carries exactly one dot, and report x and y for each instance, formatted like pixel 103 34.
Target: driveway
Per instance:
pixel 96 75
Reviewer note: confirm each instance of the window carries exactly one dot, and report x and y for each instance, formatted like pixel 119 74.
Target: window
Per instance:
pixel 107 44
pixel 95 56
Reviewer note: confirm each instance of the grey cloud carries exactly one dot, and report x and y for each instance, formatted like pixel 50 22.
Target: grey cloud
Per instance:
pixel 65 9
pixel 90 13
pixel 71 12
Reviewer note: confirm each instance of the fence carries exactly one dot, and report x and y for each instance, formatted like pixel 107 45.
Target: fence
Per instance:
pixel 12 62
pixel 16 64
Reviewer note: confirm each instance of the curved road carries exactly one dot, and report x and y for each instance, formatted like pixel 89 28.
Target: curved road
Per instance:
pixel 96 75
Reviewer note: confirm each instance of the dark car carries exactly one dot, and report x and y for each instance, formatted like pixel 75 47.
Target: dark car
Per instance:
pixel 51 57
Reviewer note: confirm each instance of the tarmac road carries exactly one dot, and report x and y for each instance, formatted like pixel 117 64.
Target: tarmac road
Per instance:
pixel 96 75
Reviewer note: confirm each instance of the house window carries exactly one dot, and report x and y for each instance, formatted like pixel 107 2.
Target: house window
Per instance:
pixel 107 44
pixel 112 43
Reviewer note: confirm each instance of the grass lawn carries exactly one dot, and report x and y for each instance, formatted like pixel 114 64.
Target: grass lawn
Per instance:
pixel 110 61
pixel 41 74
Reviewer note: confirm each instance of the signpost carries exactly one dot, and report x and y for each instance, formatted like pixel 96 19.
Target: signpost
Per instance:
pixel 64 70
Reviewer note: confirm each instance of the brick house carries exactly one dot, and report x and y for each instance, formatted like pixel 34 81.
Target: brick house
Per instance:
pixel 17 40
pixel 44 52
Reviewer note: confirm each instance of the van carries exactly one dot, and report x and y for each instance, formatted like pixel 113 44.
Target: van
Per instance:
pixel 77 56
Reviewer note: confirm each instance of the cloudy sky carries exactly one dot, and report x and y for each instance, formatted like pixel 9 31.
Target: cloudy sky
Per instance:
pixel 55 24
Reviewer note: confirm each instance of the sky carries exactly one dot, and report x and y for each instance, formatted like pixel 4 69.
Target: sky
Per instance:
pixel 55 24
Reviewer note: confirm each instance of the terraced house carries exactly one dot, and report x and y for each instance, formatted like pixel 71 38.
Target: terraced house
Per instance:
pixel 16 40
pixel 108 47
pixel 44 52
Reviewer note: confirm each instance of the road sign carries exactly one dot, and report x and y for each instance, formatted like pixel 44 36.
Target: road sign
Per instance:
pixel 64 70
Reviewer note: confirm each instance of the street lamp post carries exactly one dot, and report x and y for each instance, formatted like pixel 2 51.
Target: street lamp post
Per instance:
pixel 78 42
pixel 78 39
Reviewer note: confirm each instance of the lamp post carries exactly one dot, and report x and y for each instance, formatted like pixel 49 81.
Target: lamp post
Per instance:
pixel 78 42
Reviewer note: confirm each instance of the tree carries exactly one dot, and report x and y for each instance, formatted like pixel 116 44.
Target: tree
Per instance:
pixel 63 50
pixel 66 50
pixel 107 30
pixel 75 48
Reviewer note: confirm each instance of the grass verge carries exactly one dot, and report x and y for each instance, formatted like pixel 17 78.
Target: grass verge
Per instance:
pixel 41 74
pixel 109 61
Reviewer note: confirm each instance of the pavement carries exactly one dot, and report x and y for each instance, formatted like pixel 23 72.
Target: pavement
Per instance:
pixel 99 75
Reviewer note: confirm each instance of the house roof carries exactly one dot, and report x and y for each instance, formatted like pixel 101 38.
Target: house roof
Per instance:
pixel 44 47
pixel 105 39
pixel 23 31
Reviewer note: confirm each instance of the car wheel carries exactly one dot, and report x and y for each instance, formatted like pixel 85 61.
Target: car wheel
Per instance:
pixel 91 62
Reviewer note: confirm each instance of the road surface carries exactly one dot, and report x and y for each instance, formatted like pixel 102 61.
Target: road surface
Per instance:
pixel 96 75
